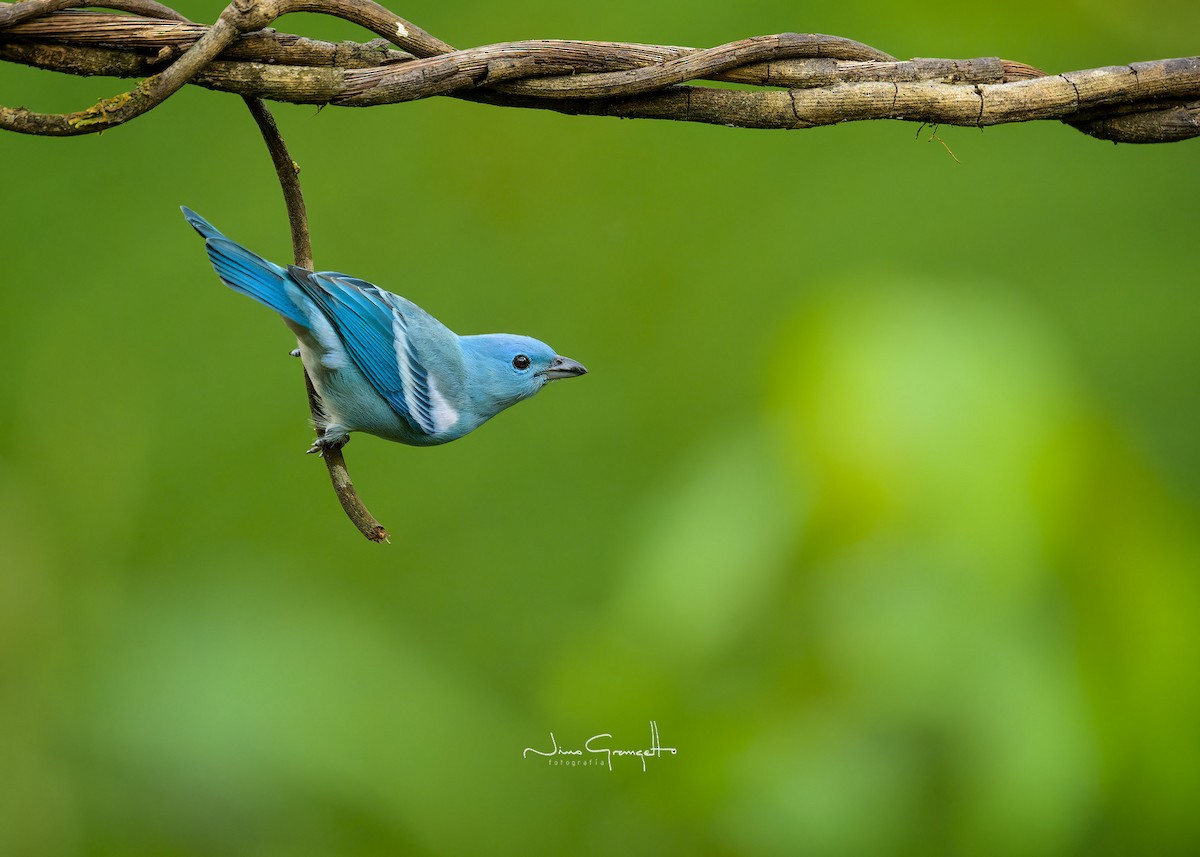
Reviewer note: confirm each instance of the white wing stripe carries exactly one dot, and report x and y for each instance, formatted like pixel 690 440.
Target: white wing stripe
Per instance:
pixel 444 415
pixel 411 402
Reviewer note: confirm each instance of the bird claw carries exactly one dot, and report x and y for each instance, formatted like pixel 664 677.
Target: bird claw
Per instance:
pixel 325 443
pixel 295 352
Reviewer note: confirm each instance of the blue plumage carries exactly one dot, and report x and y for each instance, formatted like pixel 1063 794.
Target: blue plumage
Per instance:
pixel 380 363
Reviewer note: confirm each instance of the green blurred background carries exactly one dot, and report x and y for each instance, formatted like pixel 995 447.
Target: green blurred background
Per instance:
pixel 880 498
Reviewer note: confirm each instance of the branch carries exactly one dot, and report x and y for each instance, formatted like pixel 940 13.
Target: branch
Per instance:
pixel 828 79
pixel 14 13
pixel 289 181
pixel 149 93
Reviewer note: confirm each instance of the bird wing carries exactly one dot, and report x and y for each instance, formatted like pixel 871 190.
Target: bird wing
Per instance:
pixel 391 340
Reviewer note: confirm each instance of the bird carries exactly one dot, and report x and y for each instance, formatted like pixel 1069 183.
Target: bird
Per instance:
pixel 379 363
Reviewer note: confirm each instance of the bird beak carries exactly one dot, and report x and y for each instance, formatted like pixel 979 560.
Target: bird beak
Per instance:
pixel 563 367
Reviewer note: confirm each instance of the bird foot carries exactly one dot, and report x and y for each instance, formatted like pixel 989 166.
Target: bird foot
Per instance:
pixel 326 443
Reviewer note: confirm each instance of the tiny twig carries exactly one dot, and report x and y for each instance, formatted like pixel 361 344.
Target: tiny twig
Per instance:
pixel 933 135
pixel 289 181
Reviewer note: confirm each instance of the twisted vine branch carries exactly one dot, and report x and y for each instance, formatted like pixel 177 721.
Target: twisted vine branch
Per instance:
pixel 816 80
pixel 825 79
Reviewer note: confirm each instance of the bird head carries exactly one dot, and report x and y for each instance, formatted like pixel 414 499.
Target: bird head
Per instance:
pixel 504 369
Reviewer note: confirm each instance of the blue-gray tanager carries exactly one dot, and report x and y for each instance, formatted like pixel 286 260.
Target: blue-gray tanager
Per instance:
pixel 379 362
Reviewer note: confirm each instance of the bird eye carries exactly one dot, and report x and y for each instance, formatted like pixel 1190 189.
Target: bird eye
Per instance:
pixel 520 362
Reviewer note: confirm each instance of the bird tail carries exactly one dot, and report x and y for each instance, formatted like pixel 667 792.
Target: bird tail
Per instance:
pixel 246 272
